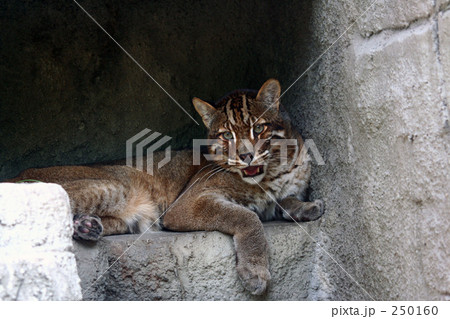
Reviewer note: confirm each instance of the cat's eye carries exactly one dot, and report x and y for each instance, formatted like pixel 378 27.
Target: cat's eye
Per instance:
pixel 258 128
pixel 227 135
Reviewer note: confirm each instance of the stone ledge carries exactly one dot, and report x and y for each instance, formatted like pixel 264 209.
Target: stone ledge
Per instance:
pixel 193 266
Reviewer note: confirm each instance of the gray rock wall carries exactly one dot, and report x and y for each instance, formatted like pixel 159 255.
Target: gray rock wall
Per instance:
pixel 376 105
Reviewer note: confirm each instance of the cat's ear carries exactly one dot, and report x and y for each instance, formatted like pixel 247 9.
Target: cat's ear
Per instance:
pixel 205 110
pixel 269 94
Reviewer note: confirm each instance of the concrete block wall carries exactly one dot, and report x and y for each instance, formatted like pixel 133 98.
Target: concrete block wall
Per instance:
pixel 37 262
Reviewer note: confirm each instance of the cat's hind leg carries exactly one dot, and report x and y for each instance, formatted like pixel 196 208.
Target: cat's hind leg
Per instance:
pixel 90 227
pixel 87 227
pixel 295 209
pixel 97 206
pixel 104 200
pixel 109 207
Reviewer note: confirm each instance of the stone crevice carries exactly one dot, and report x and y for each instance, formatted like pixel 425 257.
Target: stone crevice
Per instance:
pixel 442 78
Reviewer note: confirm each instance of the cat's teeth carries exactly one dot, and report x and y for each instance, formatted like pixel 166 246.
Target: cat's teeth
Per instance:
pixel 254 171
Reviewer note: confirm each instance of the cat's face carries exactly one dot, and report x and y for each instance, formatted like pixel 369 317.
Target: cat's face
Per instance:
pixel 246 127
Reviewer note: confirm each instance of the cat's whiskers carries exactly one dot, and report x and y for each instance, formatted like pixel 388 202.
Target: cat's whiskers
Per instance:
pixel 212 171
pixel 204 168
pixel 262 156
pixel 219 171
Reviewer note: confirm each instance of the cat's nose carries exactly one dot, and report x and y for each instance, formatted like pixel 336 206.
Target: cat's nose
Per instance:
pixel 247 157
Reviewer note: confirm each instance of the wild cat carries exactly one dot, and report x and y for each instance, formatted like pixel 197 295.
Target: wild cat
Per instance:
pixel 250 179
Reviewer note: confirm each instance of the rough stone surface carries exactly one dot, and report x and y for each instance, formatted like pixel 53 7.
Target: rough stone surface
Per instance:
pixel 35 244
pixel 194 266
pixel 376 109
pixel 391 14
pixel 443 24
pixel 442 4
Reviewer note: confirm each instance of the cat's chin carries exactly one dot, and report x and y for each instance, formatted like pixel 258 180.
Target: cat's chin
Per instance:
pixel 253 174
pixel 254 179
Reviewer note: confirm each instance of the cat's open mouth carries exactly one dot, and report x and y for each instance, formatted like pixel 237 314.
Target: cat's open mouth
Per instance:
pixel 251 171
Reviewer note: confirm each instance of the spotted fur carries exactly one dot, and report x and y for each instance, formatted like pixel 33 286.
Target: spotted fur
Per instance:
pixel 252 180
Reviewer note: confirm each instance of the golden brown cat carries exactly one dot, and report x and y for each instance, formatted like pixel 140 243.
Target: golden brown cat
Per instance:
pixel 257 174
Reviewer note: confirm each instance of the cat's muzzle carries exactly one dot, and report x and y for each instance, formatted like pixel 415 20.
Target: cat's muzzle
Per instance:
pixel 251 171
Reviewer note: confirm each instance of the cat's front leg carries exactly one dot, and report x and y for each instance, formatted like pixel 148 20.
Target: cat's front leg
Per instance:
pixel 295 209
pixel 252 259
pixel 209 213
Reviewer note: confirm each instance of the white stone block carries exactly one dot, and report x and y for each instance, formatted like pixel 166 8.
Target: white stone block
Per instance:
pixel 35 243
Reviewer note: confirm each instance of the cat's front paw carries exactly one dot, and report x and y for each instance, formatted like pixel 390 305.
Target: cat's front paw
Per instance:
pixel 87 227
pixel 254 278
pixel 307 212
pixel 316 210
